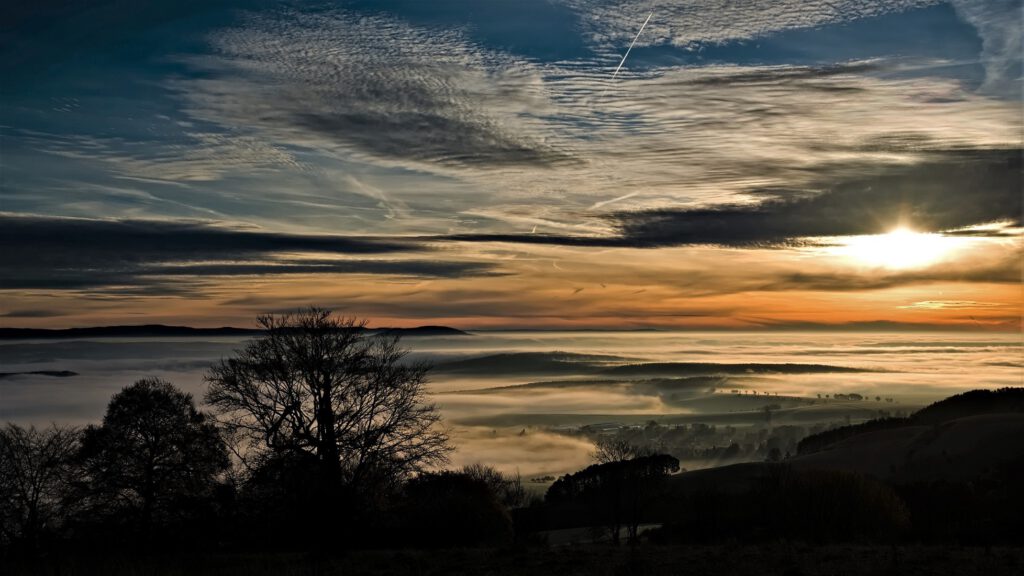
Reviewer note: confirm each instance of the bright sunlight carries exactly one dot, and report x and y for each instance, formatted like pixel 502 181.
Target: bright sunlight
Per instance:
pixel 899 249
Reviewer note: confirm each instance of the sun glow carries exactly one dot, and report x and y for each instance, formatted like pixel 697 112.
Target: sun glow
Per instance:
pixel 899 249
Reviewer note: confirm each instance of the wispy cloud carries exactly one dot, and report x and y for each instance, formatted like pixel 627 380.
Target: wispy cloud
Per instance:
pixel 401 96
pixel 929 196
pixel 185 157
pixel 954 305
pixel 389 90
pixel 307 114
pixel 417 155
pixel 999 24
pixel 716 21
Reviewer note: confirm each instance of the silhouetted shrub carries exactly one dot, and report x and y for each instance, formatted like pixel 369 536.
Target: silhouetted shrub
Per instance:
pixel 507 488
pixel 614 494
pixel 450 509
pixel 278 495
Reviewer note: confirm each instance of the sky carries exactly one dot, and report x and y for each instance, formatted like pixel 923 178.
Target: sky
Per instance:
pixel 754 164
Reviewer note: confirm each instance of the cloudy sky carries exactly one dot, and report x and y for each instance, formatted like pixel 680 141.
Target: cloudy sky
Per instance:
pixel 753 164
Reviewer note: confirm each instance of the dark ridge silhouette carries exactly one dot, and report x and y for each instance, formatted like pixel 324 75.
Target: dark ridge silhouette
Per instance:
pixel 584 383
pixel 529 363
pixel 557 362
pixel 718 413
pixel 972 403
pixel 160 330
pixel 951 473
pixel 823 440
pixel 957 450
pixel 54 373
pixel 655 384
pixel 422 331
pixel 708 369
pixel 769 502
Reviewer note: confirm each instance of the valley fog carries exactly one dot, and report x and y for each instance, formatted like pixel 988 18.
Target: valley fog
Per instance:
pixel 535 402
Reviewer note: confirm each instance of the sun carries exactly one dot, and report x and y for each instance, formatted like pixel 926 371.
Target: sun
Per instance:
pixel 901 248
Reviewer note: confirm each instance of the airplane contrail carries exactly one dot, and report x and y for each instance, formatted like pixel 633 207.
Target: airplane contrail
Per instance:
pixel 635 38
pixel 607 202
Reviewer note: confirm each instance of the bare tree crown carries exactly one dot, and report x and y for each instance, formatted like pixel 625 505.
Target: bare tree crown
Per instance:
pixel 320 384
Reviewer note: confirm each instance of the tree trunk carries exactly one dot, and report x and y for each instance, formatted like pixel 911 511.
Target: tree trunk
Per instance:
pixel 329 485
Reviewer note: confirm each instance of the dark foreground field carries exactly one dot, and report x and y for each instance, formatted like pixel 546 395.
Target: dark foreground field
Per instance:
pixel 783 559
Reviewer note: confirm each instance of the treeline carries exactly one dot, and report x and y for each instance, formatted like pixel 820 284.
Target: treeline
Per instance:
pixel 319 438
pixel 702 445
pixel 156 475
pixel 612 495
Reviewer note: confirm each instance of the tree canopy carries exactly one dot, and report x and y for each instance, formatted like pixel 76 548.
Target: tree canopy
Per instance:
pixel 322 385
pixel 153 451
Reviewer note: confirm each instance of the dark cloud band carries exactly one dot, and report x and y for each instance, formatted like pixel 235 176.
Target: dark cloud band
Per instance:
pixel 153 256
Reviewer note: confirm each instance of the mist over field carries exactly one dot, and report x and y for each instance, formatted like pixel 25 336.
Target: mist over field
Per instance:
pixel 518 400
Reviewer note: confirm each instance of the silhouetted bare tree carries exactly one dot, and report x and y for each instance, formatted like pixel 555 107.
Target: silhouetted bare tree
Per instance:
pixel 508 488
pixel 153 452
pixel 321 385
pixel 36 470
pixel 615 448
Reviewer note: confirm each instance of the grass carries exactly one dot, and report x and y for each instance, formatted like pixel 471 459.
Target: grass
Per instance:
pixel 783 559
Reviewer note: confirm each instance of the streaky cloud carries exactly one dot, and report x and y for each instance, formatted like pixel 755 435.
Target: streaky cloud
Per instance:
pixel 166 257
pixel 947 191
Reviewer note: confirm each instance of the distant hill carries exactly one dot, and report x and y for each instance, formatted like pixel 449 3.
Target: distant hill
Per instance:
pixel 953 439
pixel 527 363
pixel 972 403
pixel 671 369
pixel 423 331
pixel 557 362
pixel 160 330
pixel 53 373
pixel 960 438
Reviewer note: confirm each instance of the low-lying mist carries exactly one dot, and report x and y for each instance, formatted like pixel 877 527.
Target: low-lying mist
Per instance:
pixel 535 402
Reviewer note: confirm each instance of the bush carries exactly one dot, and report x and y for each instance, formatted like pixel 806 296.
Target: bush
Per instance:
pixel 450 509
